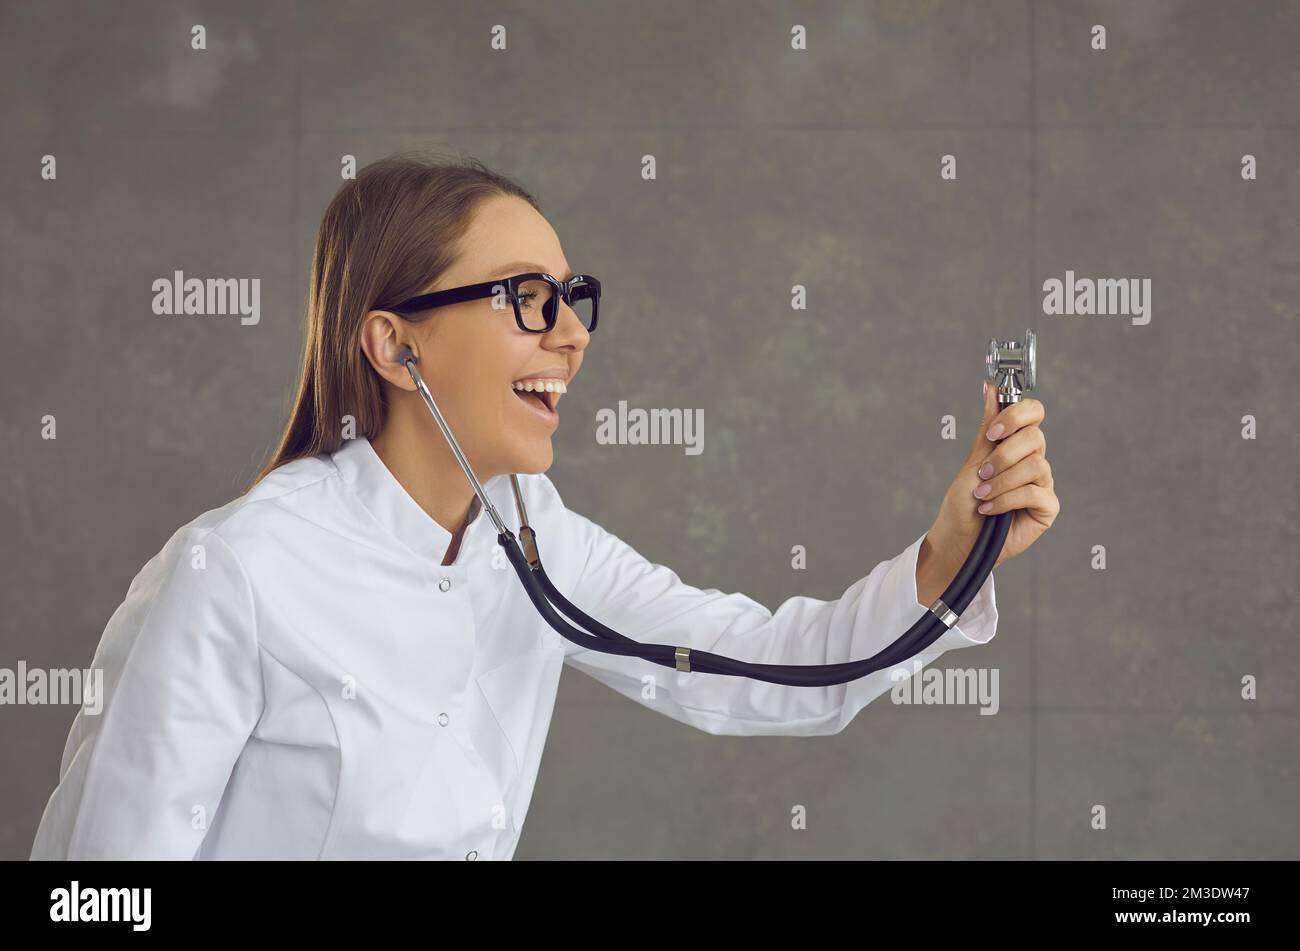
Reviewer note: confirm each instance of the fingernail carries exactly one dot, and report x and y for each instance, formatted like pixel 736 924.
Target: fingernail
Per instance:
pixel 986 508
pixel 996 430
pixel 983 490
pixel 986 470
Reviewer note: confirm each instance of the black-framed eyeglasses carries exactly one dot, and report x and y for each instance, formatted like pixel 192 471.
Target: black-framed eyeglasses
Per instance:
pixel 534 295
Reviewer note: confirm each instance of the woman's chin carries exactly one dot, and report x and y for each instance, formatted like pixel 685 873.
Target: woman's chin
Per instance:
pixel 533 457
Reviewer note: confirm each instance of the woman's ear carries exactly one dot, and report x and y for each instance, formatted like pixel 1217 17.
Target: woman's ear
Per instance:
pixel 384 336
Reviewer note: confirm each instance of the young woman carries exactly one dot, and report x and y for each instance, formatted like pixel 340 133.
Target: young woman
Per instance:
pixel 341 664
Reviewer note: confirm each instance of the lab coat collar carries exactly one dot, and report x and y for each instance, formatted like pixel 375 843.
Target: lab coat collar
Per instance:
pixel 385 498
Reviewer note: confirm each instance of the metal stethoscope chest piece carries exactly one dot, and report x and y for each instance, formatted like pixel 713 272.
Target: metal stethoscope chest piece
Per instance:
pixel 1012 369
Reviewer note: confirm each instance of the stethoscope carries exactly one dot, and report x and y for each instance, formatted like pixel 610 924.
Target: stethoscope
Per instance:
pixel 1010 366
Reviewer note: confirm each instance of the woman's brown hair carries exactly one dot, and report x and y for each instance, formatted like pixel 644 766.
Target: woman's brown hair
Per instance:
pixel 387 235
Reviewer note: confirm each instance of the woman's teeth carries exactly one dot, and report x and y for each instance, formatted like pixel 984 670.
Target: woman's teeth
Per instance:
pixel 540 386
pixel 541 396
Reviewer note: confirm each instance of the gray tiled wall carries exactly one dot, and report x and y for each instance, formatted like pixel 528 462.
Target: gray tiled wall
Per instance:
pixel 775 167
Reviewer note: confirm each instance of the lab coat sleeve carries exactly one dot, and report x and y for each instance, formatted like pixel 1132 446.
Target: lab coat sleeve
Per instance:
pixel 648 602
pixel 182 691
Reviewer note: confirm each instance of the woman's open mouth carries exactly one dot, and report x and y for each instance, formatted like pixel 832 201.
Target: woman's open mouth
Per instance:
pixel 540 396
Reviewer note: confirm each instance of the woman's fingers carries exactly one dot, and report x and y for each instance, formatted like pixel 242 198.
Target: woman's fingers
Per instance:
pixel 1016 417
pixel 1011 450
pixel 1033 469
pixel 1039 500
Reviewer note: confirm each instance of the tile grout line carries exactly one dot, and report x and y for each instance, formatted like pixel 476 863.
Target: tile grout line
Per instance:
pixel 296 203
pixel 1033 570
pixel 866 127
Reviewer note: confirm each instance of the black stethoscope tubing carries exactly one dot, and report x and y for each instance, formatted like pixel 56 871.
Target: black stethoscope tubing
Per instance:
pixel 551 603
pixel 554 607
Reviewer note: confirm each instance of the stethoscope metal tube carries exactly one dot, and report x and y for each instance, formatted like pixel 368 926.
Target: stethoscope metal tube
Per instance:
pixel 408 359
pixel 1013 370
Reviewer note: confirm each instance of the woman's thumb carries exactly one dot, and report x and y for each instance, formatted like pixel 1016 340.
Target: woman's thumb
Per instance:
pixel 990 411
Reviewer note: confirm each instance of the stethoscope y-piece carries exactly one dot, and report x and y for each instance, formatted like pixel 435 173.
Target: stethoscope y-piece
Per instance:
pixel 1010 366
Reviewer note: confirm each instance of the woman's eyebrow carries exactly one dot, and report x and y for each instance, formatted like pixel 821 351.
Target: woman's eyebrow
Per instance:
pixel 522 267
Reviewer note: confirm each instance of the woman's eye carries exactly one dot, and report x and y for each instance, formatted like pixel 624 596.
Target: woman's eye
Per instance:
pixel 526 298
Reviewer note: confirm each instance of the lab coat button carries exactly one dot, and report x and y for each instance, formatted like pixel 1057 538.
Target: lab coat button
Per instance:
pixel 443 719
pixel 471 855
pixel 444 584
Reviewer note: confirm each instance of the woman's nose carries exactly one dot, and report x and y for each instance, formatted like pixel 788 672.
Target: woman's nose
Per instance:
pixel 569 330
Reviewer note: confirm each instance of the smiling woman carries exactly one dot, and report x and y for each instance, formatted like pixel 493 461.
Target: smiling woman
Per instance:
pixel 335 664
pixel 421 226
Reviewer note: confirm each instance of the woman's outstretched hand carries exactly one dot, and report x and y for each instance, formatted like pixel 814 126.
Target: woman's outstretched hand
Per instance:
pixel 1013 465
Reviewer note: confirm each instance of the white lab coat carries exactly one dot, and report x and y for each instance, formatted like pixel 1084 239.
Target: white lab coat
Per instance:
pixel 295 674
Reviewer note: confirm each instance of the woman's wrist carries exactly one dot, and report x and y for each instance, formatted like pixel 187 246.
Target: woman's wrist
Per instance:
pixel 933 572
